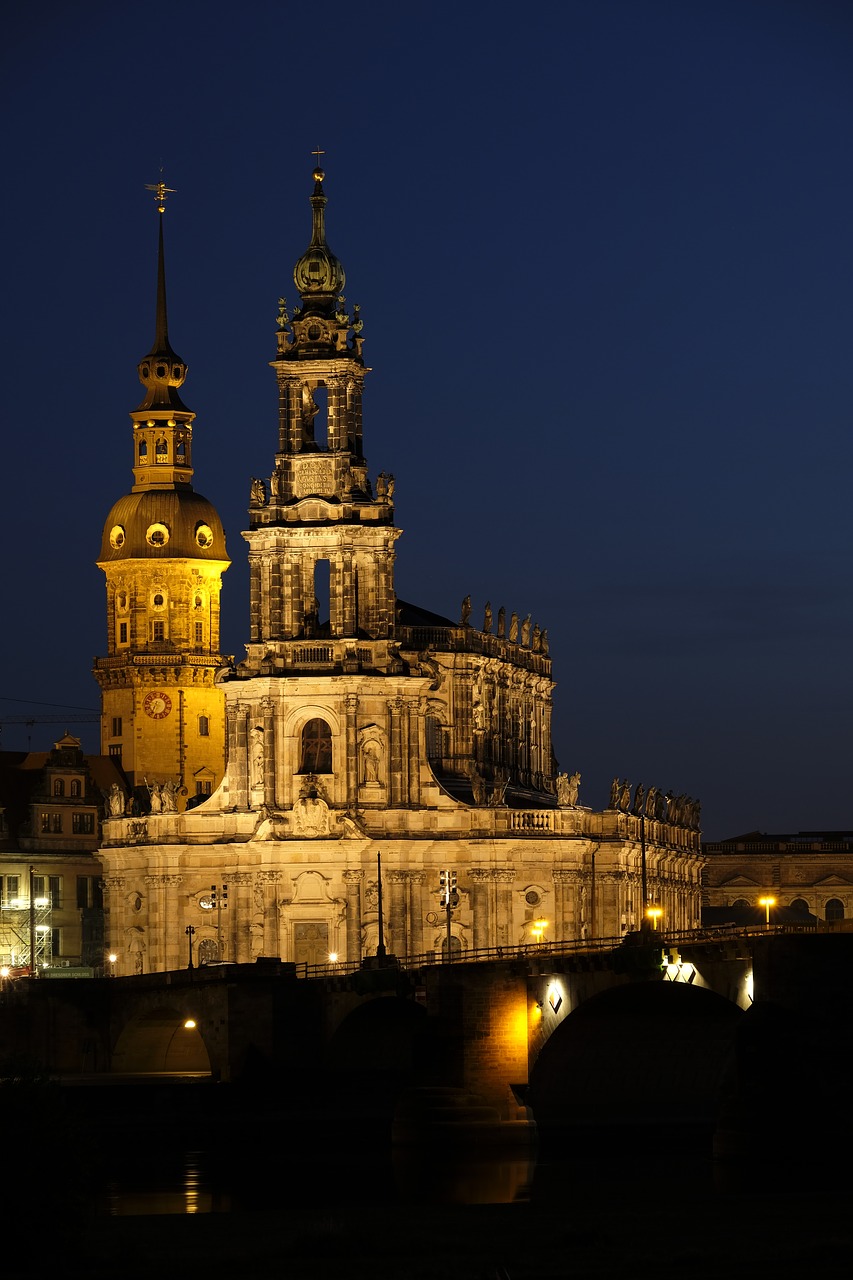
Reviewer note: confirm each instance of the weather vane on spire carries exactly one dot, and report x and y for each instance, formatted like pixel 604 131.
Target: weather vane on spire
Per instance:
pixel 161 191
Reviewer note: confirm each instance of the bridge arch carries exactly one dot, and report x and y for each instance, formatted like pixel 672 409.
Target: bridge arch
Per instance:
pixel 161 1040
pixel 637 1054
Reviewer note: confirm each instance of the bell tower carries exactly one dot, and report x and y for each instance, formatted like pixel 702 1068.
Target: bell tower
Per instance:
pixel 321 541
pixel 163 555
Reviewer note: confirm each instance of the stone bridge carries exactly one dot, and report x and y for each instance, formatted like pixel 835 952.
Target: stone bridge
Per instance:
pixel 660 1031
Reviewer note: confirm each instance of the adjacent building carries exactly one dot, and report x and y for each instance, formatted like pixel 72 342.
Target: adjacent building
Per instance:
pixel 810 871
pixel 371 745
pixel 51 908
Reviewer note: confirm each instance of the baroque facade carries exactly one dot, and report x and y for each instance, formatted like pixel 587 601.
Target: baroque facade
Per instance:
pixel 370 743
pixel 163 555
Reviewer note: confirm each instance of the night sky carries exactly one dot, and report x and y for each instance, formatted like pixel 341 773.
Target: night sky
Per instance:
pixel 603 255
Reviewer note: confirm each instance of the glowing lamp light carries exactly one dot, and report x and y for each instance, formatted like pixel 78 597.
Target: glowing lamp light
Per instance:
pixel 189 1025
pixel 654 914
pixel 767 902
pixel 4 971
pixel 537 929
pixel 333 957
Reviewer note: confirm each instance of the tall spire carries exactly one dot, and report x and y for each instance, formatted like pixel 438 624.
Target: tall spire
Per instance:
pixel 161 372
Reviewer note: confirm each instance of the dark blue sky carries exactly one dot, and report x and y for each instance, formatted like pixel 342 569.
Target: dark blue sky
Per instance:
pixel 604 258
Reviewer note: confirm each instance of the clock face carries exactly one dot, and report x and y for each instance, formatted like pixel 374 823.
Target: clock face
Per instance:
pixel 157 705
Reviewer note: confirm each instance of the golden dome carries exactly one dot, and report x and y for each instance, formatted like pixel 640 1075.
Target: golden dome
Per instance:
pixel 163 524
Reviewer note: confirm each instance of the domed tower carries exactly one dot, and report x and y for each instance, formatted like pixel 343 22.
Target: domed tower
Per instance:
pixel 163 554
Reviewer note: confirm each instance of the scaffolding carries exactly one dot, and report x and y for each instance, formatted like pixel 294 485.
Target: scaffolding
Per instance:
pixel 26 934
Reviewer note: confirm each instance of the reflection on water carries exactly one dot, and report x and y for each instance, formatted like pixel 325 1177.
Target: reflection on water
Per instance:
pixel 180 1184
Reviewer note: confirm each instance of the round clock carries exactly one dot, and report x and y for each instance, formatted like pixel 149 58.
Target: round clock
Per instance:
pixel 157 705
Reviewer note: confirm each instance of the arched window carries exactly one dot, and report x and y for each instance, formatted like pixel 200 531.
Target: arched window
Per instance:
pixel 835 909
pixel 741 902
pixel 208 951
pixel 75 786
pixel 455 946
pixel 143 450
pixel 59 790
pixel 316 747
pixel 800 904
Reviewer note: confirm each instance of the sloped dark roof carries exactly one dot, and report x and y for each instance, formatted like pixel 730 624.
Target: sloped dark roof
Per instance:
pixel 411 615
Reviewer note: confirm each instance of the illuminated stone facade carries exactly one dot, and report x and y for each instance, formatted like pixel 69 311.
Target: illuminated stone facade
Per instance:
pixel 361 728
pixel 811 871
pixel 163 554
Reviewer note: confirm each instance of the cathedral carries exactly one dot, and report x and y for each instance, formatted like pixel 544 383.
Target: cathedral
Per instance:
pixel 371 748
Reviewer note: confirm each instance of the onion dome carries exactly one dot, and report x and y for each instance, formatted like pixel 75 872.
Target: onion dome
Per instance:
pixel 318 274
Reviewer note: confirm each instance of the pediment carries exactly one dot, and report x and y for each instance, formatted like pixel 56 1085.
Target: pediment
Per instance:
pixel 739 881
pixel 827 882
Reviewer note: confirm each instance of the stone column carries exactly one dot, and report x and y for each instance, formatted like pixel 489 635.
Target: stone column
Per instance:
pixel 266 708
pixel 416 912
pixel 241 919
pixel 254 597
pixel 566 925
pixel 413 722
pixel 353 880
pixel 351 748
pixel 156 923
pixel 480 883
pixel 504 880
pixel 397 913
pixel 267 883
pixel 395 763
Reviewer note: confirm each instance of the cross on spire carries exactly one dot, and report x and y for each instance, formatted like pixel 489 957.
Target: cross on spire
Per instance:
pixel 318 152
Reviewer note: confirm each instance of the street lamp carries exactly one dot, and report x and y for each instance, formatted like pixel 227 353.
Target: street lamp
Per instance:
pixel 189 931
pixel 767 902
pixel 654 914
pixel 112 957
pixel 537 929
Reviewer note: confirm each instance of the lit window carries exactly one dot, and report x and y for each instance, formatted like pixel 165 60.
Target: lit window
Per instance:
pixel 115 749
pixel 58 787
pixel 316 747
pixel 45 822
pixel 83 824
pixel 75 786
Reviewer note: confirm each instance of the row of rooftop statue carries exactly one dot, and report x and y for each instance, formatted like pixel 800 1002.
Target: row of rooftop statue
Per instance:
pixel 682 811
pixel 532 637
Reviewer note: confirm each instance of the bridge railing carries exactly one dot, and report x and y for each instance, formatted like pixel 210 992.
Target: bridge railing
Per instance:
pixel 551 949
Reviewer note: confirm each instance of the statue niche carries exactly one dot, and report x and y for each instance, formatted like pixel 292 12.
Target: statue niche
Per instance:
pixel 371 756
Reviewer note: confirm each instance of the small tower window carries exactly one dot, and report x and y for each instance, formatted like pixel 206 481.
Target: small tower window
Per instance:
pixel 122 633
pixel 116 726
pixel 199 633
pixel 203 726
pixel 75 786
pixel 58 787
pixel 316 747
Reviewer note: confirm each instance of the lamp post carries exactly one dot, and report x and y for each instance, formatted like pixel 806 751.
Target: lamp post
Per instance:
pixel 380 945
pixel 449 899
pixel 767 902
pixel 189 931
pixel 112 957
pixel 654 914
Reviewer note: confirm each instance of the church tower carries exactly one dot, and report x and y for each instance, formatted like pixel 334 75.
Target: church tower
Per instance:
pixel 321 543
pixel 163 554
